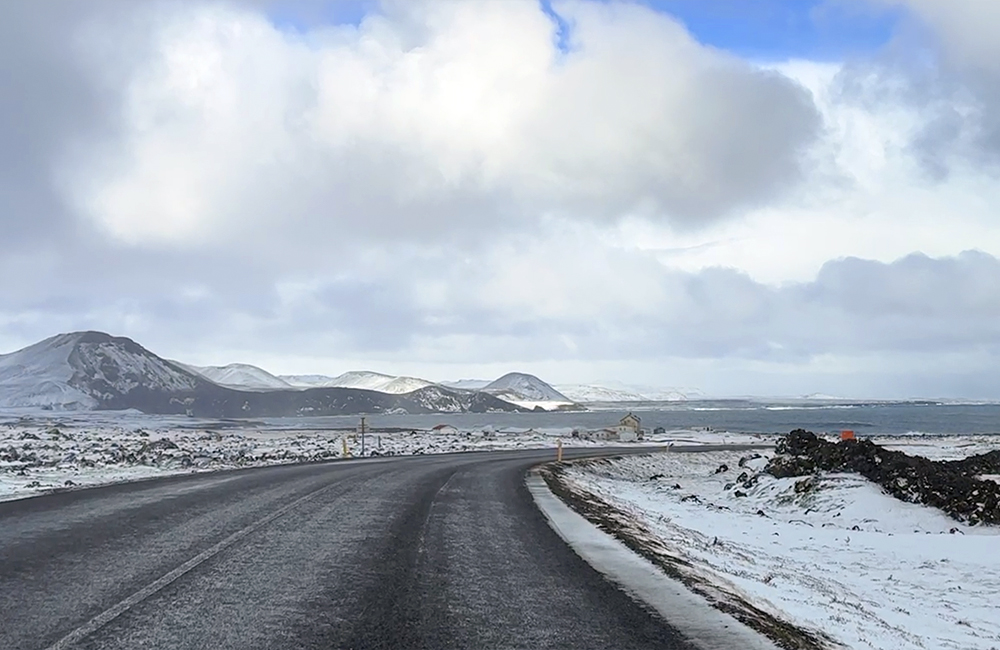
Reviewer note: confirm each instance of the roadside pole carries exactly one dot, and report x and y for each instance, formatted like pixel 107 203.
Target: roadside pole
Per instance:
pixel 362 437
pixel 559 450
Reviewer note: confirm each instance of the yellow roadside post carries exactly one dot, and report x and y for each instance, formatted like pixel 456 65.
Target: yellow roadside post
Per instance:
pixel 559 450
pixel 347 453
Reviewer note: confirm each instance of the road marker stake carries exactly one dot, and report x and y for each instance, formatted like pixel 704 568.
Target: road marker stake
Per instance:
pixel 559 450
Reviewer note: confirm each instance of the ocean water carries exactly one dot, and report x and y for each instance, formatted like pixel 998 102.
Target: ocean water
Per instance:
pixel 737 416
pixel 742 416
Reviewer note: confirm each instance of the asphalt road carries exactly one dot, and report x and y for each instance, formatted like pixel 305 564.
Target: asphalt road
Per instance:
pixel 427 552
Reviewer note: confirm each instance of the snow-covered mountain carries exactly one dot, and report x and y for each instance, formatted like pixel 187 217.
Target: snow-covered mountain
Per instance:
pixel 671 394
pixel 306 381
pixel 590 393
pixel 85 370
pixel 377 381
pixel 467 384
pixel 617 392
pixel 363 379
pixel 39 375
pixel 242 375
pixel 93 370
pixel 523 387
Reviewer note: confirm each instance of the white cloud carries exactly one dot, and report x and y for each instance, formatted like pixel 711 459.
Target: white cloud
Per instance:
pixel 867 194
pixel 431 117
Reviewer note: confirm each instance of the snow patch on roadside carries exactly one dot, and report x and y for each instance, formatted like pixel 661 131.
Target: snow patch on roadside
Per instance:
pixel 832 554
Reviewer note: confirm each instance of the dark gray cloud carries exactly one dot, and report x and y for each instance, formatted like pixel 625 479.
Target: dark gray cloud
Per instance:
pixel 46 99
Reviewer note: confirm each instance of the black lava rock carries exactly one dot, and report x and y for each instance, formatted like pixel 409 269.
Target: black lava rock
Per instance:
pixel 950 486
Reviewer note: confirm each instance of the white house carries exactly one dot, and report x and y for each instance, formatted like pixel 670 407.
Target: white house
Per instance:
pixel 631 421
pixel 629 428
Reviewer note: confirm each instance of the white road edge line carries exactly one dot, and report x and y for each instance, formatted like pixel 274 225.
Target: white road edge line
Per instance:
pixel 117 610
pixel 705 627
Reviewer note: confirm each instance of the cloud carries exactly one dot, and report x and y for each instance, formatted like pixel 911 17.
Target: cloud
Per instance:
pixel 566 293
pixel 944 64
pixel 46 99
pixel 448 188
pixel 430 118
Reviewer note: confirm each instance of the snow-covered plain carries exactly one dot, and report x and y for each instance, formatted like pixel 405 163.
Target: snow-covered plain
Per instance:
pixel 834 555
pixel 40 454
pixel 940 447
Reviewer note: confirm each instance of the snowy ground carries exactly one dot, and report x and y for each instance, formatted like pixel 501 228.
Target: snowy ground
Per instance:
pixel 40 454
pixel 940 447
pixel 836 556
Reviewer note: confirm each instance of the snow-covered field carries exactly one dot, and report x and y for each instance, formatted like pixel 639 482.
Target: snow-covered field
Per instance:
pixel 41 454
pixel 940 447
pixel 833 555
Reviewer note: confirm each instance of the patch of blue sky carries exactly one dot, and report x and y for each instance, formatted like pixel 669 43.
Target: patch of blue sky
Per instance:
pixel 763 30
pixel 303 15
pixel 562 27
pixel 776 30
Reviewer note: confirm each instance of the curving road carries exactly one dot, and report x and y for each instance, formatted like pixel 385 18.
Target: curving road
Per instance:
pixel 429 552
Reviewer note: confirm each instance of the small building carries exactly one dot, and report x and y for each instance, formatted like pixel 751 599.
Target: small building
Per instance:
pixel 445 428
pixel 631 421
pixel 659 431
pixel 605 434
pixel 597 434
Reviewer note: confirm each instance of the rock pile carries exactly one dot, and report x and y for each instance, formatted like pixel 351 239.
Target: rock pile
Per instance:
pixel 951 486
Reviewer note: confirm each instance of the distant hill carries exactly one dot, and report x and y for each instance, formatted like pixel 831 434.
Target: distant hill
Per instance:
pixel 306 381
pixel 584 393
pixel 242 375
pixel 96 371
pixel 467 384
pixel 671 394
pixel 528 391
pixel 364 379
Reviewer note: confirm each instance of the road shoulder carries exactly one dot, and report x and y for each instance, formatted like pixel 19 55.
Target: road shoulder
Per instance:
pixel 625 556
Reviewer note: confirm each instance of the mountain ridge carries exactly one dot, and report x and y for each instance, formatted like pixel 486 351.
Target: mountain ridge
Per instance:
pixel 96 371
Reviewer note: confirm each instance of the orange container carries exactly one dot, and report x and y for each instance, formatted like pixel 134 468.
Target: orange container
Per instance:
pixel 847 435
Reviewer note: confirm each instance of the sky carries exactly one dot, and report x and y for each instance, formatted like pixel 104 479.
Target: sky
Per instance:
pixel 766 197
